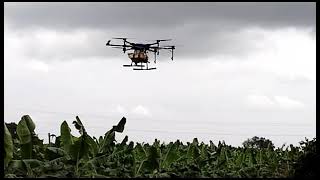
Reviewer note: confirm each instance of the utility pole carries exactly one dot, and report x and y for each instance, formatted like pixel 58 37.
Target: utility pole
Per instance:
pixel 49 138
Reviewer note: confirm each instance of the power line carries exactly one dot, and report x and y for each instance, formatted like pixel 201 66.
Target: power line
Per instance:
pixel 208 122
pixel 66 113
pixel 208 133
pixel 228 134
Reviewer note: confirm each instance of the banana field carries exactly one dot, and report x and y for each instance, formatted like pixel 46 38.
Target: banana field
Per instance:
pixel 25 155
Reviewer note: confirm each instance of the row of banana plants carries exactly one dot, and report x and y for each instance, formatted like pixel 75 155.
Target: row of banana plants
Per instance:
pixel 85 156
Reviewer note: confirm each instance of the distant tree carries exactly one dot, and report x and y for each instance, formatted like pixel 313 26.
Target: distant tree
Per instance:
pixel 258 142
pixel 307 164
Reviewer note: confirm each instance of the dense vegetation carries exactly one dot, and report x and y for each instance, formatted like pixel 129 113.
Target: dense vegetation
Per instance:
pixel 85 156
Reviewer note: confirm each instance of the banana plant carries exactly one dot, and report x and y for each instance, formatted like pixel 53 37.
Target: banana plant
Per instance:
pixel 84 156
pixel 25 131
pixel 8 146
pixel 105 144
pixel 80 147
pixel 171 156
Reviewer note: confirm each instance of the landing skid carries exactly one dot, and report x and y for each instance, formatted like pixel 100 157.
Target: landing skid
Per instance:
pixel 141 66
pixel 144 69
pixel 128 65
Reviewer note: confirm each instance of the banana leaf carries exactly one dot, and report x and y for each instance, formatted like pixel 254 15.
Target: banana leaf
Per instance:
pixel 66 137
pixel 8 146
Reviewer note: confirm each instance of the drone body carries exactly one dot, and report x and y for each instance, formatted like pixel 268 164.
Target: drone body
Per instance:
pixel 139 54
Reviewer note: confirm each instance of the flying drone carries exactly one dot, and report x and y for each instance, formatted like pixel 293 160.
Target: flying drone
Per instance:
pixel 139 54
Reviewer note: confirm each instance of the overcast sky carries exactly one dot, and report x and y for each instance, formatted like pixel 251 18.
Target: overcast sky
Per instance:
pixel 240 69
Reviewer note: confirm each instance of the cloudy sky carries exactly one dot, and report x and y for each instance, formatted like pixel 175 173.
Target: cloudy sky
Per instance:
pixel 240 69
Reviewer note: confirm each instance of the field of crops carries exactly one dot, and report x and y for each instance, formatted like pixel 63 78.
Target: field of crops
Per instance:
pixel 85 156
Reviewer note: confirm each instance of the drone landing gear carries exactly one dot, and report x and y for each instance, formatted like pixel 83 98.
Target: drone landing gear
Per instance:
pixel 144 69
pixel 143 66
pixel 127 65
pixel 130 65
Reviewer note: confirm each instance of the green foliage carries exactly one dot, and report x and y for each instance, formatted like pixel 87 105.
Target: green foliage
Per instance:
pixel 120 126
pixel 171 155
pixel 25 131
pixel 307 166
pixel 88 157
pixel 8 146
pixel 258 142
pixel 66 137
pixel 12 127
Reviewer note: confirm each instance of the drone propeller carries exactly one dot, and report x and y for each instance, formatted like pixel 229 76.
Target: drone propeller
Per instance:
pixel 119 38
pixel 158 40
pixel 163 40
pixel 168 46
pixel 123 38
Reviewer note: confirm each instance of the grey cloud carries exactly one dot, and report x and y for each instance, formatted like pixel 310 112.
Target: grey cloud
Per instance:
pixel 192 41
pixel 143 15
pixel 198 29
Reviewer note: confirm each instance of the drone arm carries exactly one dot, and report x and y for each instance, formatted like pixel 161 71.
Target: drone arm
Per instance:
pixel 116 45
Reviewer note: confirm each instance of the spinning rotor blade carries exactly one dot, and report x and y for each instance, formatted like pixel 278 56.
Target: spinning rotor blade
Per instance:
pixel 158 40
pixel 119 38
pixel 123 38
pixel 163 40
pixel 117 45
pixel 167 47
pixel 122 46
